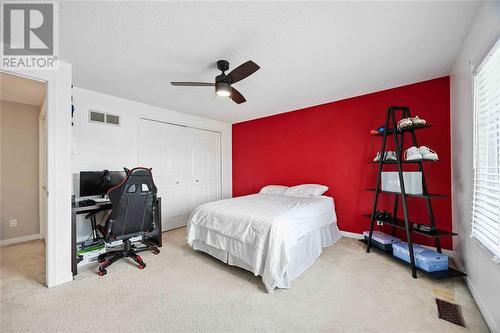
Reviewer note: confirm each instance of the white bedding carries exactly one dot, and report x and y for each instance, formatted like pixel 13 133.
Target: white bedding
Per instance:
pixel 260 229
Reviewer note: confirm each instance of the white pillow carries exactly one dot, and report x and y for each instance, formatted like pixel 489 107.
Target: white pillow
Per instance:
pixel 306 190
pixel 274 189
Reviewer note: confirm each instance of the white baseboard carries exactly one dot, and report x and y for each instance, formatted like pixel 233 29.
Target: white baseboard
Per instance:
pixel 21 239
pixel 484 311
pixel 351 234
pixel 65 279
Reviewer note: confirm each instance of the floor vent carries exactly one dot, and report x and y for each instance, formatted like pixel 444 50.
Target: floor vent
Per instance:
pixel 450 312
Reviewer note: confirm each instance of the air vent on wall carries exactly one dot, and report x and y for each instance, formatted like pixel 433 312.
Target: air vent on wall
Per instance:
pixel 104 118
pixel 97 117
pixel 113 119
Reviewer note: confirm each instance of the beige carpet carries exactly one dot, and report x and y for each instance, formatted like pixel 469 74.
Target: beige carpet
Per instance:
pixel 180 290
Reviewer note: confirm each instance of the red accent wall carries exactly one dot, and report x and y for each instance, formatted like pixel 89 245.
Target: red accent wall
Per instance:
pixel 330 144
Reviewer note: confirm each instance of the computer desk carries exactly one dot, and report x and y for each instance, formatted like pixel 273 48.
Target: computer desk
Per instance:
pixel 154 237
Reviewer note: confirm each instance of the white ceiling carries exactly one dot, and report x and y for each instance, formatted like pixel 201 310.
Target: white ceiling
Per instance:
pixel 309 52
pixel 19 89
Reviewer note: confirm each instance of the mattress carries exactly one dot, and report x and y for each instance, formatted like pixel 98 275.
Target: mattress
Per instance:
pixel 274 236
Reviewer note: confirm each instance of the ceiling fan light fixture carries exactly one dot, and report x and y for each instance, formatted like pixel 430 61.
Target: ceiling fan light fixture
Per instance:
pixel 224 81
pixel 223 89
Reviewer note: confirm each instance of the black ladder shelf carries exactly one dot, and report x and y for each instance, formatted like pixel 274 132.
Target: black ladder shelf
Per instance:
pixel 398 135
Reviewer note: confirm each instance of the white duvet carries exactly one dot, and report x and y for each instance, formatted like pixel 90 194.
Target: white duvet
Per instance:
pixel 268 223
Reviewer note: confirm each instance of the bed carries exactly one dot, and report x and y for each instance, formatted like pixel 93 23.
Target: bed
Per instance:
pixel 275 236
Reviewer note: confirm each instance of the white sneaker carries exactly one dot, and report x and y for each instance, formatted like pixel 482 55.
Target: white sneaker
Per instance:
pixel 428 154
pixel 413 154
pixel 418 122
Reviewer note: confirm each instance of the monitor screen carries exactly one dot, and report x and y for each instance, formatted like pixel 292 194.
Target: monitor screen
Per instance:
pixel 94 183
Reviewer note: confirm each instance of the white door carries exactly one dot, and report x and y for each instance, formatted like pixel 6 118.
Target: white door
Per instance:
pixel 184 162
pixel 175 171
pixel 205 166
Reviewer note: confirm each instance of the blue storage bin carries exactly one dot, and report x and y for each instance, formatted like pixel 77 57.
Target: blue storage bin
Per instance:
pixel 428 260
pixel 381 240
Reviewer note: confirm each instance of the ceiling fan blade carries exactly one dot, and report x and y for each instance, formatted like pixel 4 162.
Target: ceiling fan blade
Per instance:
pixel 192 84
pixel 237 97
pixel 243 71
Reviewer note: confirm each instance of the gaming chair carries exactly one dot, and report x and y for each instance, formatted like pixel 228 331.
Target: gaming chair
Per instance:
pixel 132 215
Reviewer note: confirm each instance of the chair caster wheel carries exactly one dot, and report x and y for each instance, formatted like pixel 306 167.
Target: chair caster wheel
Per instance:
pixel 141 266
pixel 156 251
pixel 102 273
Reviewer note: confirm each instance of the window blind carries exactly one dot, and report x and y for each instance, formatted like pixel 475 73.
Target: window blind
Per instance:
pixel 486 192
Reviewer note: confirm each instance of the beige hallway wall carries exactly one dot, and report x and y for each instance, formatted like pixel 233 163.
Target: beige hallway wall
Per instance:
pixel 19 169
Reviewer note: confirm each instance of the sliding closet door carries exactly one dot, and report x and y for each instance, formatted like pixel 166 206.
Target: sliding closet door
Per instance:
pixel 186 167
pixel 164 147
pixel 206 169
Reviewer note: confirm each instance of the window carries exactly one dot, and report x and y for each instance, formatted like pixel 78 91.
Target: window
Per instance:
pixel 486 192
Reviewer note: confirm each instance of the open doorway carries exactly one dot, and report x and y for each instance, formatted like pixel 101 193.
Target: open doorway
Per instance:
pixel 23 178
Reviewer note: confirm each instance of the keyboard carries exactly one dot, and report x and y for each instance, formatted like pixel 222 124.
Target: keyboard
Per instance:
pixel 85 203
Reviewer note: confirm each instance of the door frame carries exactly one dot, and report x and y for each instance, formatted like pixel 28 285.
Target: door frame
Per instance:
pixel 58 121
pixel 42 168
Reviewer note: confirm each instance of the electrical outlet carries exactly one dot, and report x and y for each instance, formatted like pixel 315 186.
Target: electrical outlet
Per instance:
pixel 13 223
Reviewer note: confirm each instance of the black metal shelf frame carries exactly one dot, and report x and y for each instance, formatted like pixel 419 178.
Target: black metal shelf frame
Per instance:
pixel 398 135
pixel 439 275
pixel 390 131
pixel 403 162
pixel 423 195
pixel 399 223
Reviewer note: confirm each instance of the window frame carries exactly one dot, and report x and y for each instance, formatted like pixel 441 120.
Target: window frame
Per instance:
pixel 475 74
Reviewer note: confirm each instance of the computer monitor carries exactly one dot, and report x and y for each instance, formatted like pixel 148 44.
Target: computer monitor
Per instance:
pixel 94 183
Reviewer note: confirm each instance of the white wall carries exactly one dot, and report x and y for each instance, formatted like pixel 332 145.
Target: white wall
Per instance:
pixel 483 274
pixel 98 146
pixel 58 234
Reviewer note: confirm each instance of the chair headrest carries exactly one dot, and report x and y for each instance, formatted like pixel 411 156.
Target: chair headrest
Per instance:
pixel 138 174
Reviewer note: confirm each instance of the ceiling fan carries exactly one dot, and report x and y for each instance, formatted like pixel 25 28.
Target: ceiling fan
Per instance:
pixel 224 81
